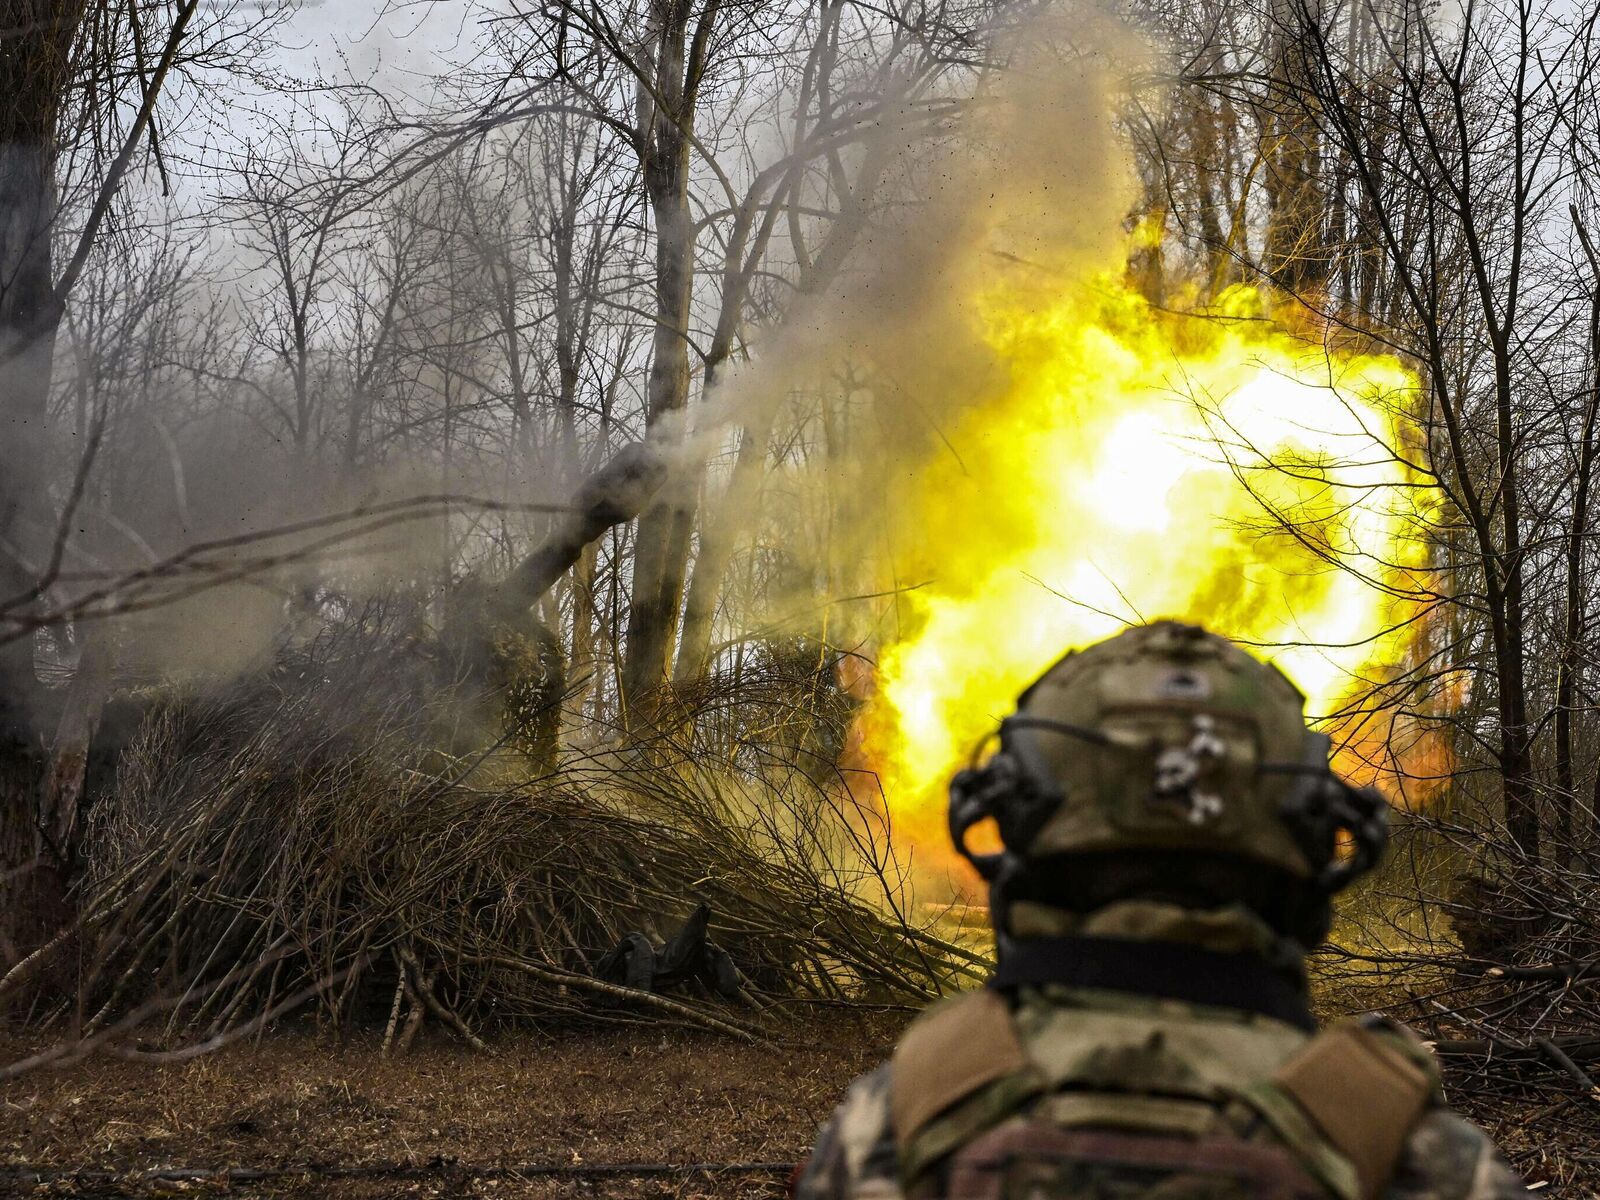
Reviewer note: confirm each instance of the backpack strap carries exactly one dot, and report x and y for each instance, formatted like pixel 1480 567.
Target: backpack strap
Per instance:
pixel 1359 1088
pixel 952 1051
pixel 958 1070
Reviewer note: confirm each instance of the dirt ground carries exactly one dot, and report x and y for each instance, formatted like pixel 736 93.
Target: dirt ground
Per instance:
pixel 433 1119
pixel 576 1099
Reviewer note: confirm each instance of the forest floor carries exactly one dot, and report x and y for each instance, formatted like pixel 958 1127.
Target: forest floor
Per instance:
pixel 424 1123
pixel 570 1100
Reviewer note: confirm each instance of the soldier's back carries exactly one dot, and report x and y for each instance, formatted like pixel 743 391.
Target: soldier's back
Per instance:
pixel 1067 1092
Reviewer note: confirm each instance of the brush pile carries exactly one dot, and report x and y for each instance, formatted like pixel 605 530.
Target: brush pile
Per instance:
pixel 1494 957
pixel 300 844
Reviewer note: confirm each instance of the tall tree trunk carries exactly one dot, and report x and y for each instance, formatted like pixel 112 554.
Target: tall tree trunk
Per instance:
pixel 661 550
pixel 34 62
pixel 584 664
pixel 1506 599
pixel 657 570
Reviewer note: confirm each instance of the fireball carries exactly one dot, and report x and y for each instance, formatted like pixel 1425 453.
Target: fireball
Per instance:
pixel 1221 468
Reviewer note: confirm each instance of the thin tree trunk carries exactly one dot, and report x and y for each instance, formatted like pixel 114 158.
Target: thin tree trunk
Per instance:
pixel 1571 654
pixel 717 540
pixel 1516 735
pixel 1294 255
pixel 584 662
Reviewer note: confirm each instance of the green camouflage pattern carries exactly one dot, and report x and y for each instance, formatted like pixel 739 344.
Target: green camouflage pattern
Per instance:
pixel 1110 1060
pixel 1165 697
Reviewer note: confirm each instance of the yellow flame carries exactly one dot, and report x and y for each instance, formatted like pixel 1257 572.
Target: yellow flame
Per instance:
pixel 1141 464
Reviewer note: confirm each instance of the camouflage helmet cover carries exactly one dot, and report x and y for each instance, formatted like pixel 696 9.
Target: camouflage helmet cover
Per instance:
pixel 1156 739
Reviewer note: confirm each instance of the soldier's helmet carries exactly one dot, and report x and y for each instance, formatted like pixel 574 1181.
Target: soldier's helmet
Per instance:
pixel 1165 751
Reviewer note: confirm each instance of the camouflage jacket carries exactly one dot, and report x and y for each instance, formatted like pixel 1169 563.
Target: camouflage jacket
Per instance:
pixel 858 1157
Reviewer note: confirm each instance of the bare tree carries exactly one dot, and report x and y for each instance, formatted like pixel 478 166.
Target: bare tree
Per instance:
pixel 1420 195
pixel 79 84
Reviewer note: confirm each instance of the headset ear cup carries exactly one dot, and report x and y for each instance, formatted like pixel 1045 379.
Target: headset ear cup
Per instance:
pixel 1004 790
pixel 972 799
pixel 1363 814
pixel 1319 810
pixel 1024 810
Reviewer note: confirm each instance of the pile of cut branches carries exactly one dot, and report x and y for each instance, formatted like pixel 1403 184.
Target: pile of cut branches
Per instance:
pixel 298 844
pixel 1494 957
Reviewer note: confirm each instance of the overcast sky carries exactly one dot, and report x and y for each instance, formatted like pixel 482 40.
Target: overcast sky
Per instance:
pixel 403 48
pixel 403 43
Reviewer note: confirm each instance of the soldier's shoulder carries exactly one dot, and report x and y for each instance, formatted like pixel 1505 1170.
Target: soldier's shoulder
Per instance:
pixel 854 1157
pixel 1447 1157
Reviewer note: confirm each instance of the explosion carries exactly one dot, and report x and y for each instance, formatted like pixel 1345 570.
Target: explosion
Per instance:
pixel 1138 463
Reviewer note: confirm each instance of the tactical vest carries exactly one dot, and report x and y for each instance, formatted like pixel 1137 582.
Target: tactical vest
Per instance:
pixel 1115 1097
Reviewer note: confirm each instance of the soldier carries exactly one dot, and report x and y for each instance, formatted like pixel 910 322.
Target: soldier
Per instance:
pixel 1172 836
